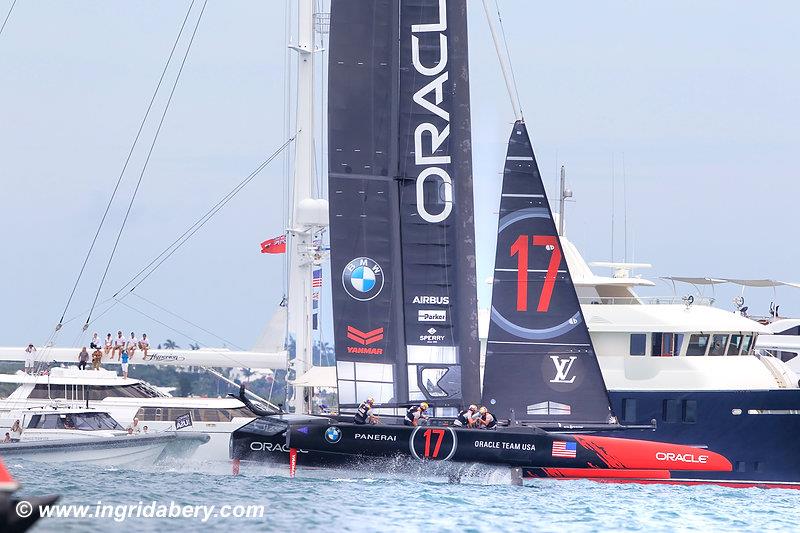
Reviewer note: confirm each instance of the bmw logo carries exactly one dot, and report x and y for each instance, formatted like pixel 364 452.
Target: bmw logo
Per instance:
pixel 362 278
pixel 333 434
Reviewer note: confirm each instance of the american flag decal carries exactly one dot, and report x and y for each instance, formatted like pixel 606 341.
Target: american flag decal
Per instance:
pixel 564 449
pixel 316 279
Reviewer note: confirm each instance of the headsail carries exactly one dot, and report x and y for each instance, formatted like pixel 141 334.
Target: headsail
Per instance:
pixel 400 182
pixel 540 362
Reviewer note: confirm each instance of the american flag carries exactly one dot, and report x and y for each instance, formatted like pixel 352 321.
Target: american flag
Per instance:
pixel 316 279
pixel 564 449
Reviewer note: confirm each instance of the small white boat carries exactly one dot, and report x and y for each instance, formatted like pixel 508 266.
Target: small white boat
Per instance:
pixel 64 434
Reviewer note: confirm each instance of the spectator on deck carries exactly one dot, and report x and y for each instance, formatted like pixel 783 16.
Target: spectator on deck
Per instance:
pixel 133 344
pixel 135 426
pixel 83 358
pixel 16 431
pixel 144 429
pixel 109 345
pixel 30 358
pixel 97 358
pixel 144 345
pixel 95 342
pixel 7 438
pixel 124 365
pixel 119 345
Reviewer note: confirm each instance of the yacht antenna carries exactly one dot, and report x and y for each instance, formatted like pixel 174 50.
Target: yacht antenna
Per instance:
pixel 612 205
pixel 564 193
pixel 307 214
pixel 505 64
pixel 624 209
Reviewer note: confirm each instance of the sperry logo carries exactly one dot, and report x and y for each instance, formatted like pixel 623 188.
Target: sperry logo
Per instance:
pixel 563 367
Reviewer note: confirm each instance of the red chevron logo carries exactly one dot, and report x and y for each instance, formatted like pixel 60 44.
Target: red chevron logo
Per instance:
pixel 364 338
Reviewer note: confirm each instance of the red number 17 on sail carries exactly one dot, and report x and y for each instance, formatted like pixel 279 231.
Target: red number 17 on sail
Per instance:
pixel 520 249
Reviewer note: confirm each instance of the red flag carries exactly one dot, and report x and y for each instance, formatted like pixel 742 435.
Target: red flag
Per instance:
pixel 274 246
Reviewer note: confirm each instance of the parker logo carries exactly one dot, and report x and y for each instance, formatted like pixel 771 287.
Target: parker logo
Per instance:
pixel 563 366
pixel 364 338
pixel 432 315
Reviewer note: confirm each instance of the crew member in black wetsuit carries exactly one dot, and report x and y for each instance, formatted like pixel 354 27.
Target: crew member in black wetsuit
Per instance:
pixel 364 414
pixel 468 417
pixel 486 419
pixel 415 413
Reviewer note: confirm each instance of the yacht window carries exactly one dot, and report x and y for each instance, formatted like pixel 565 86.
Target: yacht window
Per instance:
pixel 629 410
pixel 91 421
pixel 671 411
pixel 697 345
pixel 666 344
pixel 748 340
pixel 735 345
pixel 689 411
pixel 718 343
pixel 35 419
pixel 638 343
pixel 51 422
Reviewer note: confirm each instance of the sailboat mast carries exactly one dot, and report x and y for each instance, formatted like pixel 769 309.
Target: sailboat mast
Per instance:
pixel 306 212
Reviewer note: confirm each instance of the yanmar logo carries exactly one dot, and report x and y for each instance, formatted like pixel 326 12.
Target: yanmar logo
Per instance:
pixel 682 457
pixel 364 338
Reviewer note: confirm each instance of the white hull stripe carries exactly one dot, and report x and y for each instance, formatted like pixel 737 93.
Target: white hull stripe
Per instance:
pixel 519 158
pixel 513 195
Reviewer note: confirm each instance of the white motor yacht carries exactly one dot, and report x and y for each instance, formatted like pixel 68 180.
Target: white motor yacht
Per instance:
pixel 69 434
pixel 125 399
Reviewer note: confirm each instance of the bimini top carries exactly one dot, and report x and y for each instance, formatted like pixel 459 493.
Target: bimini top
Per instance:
pixel 736 281
pixel 668 319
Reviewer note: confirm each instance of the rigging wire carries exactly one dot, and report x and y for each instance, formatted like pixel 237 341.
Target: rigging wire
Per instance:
pixel 177 243
pixel 147 160
pixel 226 341
pixel 127 161
pixel 5 20
pixel 508 55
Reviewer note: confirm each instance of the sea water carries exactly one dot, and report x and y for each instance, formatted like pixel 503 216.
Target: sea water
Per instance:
pixel 353 500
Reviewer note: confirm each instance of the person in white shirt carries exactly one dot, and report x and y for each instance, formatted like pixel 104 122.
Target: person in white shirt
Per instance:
pixel 109 345
pixel 144 345
pixel 133 344
pixel 30 358
pixel 96 342
pixel 119 345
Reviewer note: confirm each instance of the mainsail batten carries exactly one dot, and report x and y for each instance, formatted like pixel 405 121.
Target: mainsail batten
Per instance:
pixel 540 362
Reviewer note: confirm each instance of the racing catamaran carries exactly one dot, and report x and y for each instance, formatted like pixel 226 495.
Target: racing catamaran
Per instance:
pixel 405 314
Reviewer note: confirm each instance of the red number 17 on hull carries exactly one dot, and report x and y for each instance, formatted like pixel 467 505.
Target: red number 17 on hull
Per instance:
pixel 520 248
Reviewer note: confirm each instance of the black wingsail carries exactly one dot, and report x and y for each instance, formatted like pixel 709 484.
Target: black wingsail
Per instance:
pixel 363 195
pixel 436 203
pixel 540 362
pixel 400 184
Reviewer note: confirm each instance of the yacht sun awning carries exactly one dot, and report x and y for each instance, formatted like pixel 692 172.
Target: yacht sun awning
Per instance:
pixel 317 376
pixel 695 281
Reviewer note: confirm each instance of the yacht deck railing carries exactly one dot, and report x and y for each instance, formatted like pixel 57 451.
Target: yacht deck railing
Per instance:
pixel 647 300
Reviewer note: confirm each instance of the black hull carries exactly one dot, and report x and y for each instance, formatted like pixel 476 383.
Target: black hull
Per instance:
pixel 328 442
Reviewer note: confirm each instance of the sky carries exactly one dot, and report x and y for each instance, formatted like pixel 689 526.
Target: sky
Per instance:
pixel 700 100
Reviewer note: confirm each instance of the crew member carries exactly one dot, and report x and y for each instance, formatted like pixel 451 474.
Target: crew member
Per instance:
pixel 365 414
pixel 468 417
pixel 486 419
pixel 415 413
